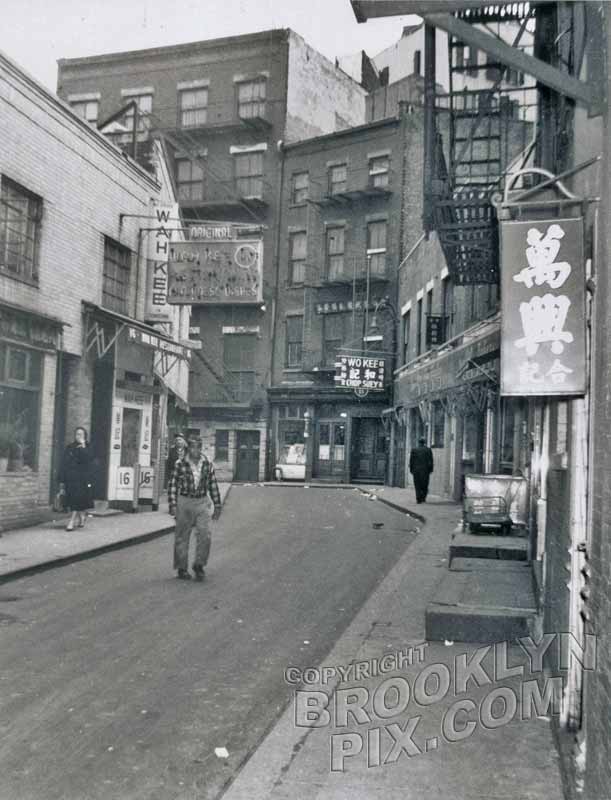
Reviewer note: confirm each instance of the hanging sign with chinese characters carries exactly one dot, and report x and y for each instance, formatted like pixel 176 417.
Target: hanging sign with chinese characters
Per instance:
pixel 356 372
pixel 543 308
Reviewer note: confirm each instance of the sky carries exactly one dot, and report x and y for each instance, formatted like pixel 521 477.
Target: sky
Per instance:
pixel 35 33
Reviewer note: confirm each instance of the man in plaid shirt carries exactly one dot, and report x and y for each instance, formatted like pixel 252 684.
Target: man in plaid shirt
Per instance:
pixel 192 482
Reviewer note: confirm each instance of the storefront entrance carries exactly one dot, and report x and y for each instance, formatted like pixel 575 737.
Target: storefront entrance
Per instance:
pixel 330 450
pixel 368 450
pixel 248 447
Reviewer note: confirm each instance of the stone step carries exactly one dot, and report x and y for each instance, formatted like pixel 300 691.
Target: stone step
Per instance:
pixel 470 545
pixel 481 603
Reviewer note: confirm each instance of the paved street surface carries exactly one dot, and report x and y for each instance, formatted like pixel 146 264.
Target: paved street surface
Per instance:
pixel 118 681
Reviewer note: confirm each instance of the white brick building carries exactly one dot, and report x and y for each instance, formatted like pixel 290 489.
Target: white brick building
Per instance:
pixel 72 276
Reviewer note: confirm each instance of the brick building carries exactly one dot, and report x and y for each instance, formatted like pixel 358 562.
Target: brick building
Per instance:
pixel 68 284
pixel 222 106
pixel 340 244
pixel 562 435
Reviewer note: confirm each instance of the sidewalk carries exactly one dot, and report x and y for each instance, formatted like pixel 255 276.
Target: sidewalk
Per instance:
pixel 24 551
pixel 513 761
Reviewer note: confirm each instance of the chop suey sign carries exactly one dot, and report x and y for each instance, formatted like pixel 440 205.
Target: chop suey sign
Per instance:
pixel 543 308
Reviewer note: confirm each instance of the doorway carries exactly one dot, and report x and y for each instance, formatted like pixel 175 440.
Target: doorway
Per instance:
pixel 101 418
pixel 130 437
pixel 248 448
pixel 330 452
pixel 369 450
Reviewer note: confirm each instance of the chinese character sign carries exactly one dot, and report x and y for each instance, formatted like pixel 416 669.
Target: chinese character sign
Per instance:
pixel 543 308
pixel 354 372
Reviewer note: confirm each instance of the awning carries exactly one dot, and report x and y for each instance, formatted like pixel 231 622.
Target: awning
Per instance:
pixel 103 338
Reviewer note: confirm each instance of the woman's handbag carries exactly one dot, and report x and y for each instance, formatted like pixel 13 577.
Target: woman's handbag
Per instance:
pixel 59 501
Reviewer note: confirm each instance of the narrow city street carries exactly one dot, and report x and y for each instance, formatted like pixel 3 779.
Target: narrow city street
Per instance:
pixel 118 681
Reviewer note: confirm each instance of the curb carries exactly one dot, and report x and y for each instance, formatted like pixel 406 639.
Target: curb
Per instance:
pixel 84 555
pixel 347 486
pixel 403 509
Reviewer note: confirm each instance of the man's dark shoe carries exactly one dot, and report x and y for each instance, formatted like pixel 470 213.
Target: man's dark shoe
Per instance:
pixel 183 575
pixel 199 573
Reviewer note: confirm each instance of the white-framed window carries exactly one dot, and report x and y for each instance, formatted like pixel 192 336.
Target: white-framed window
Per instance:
pixel 86 109
pixel 338 179
pixel 249 174
pixel 190 179
pixel 376 247
pixel 252 96
pixel 335 252
pixel 379 171
pixel 301 187
pixel 298 244
pixel 294 341
pixel 193 105
pixel 144 102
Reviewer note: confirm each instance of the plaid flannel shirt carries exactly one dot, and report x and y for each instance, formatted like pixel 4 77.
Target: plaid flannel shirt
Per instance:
pixel 183 482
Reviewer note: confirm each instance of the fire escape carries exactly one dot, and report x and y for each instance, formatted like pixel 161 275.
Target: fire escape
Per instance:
pixel 483 129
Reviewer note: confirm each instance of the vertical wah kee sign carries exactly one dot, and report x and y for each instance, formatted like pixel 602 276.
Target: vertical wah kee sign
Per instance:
pixel 156 304
pixel 543 308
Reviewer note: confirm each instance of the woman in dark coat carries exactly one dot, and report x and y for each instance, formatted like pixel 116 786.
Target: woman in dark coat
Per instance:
pixel 77 478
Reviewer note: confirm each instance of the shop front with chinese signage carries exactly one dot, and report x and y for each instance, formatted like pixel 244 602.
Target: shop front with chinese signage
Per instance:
pixel 332 428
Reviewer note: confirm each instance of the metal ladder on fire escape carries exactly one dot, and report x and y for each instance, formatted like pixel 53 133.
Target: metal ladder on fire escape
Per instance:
pixel 491 123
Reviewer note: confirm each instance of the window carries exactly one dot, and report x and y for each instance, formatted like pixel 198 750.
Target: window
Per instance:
pixel 297 266
pixel 251 98
pixel 333 337
pixel 407 323
pixel 338 179
pixel 508 420
pixel 86 109
pixel 376 247
pixel 239 361
pixel 438 424
pixel 115 286
pixel 189 179
pixel 429 311
pixel 471 437
pixel 419 328
pixel 379 171
pixel 301 187
pixel 447 303
pixel 145 107
pixel 193 107
pixel 561 433
pixel 249 174
pixel 417 62
pixel 221 445
pixel 472 61
pixel 20 227
pixel 335 253
pixel 294 341
pixel 20 381
pixel 460 55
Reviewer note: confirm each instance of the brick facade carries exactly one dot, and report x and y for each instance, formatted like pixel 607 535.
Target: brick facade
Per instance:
pixel 305 95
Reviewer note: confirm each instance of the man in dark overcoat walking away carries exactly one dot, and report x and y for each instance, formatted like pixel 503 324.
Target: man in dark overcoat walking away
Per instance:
pixel 421 467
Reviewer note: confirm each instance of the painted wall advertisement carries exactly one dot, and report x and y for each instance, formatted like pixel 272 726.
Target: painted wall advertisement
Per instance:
pixel 543 308
pixel 156 308
pixel 226 269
